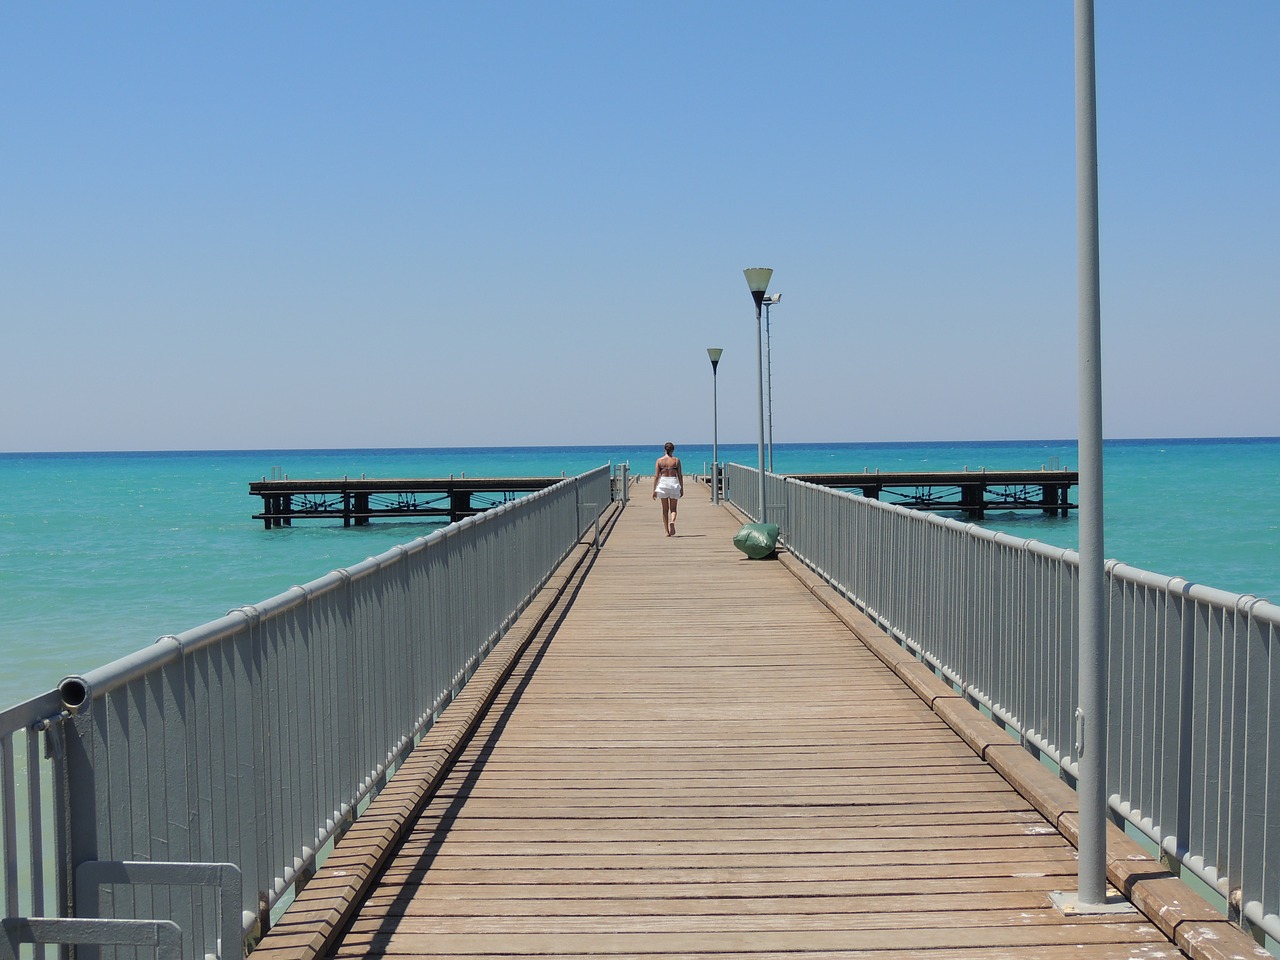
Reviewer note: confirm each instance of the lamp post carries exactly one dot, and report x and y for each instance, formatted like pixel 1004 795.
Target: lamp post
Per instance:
pixel 714 354
pixel 769 301
pixel 758 283
pixel 1091 715
pixel 1091 712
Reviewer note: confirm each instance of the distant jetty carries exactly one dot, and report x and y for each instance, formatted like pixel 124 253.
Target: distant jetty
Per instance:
pixel 360 500
pixel 971 492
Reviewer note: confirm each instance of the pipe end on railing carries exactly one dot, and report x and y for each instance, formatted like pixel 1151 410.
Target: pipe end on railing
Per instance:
pixel 75 693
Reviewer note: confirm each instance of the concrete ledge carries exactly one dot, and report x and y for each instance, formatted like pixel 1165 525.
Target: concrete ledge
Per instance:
pixel 1186 918
pixel 323 908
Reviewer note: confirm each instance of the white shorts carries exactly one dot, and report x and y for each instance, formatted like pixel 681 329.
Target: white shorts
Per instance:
pixel 668 488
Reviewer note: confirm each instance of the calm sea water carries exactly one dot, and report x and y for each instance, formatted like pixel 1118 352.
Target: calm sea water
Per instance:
pixel 101 553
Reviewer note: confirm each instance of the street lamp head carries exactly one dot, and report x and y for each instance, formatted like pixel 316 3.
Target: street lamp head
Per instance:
pixel 714 354
pixel 773 298
pixel 758 278
pixel 758 282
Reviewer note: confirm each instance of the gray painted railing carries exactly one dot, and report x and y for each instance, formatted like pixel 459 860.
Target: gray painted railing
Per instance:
pixel 1194 694
pixel 197 781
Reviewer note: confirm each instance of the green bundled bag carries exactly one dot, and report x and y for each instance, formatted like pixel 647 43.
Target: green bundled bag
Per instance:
pixel 757 540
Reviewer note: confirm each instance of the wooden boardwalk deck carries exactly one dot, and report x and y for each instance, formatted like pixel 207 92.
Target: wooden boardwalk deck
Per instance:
pixel 697 758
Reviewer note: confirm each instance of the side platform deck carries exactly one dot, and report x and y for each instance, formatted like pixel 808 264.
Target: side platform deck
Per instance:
pixel 357 500
pixel 971 492
pixel 692 754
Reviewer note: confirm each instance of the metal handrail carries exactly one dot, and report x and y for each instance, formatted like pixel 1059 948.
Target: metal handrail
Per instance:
pixel 1194 671
pixel 254 741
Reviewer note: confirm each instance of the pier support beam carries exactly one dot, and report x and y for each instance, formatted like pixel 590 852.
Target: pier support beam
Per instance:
pixel 973 500
pixel 1055 500
pixel 459 505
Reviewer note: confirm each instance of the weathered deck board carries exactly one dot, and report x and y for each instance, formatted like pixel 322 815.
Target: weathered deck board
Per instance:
pixel 703 761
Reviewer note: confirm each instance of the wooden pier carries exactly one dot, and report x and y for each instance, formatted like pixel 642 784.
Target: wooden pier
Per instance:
pixel 679 752
pixel 971 492
pixel 359 500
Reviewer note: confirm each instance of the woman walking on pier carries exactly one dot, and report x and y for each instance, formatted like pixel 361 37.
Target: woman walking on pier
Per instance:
pixel 668 484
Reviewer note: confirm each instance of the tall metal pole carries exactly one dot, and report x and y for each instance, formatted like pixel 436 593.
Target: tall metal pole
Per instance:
pixel 758 283
pixel 1091 714
pixel 714 353
pixel 768 376
pixel 764 509
pixel 715 439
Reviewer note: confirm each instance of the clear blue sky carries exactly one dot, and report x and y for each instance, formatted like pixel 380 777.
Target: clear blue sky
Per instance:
pixel 243 225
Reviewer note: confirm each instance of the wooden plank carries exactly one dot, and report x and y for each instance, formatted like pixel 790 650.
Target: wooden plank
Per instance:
pixel 751 942
pixel 1028 915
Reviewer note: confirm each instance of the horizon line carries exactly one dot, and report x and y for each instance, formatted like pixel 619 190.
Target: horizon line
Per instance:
pixel 585 446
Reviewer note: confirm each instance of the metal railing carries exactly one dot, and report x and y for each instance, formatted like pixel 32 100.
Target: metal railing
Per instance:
pixel 1194 685
pixel 199 780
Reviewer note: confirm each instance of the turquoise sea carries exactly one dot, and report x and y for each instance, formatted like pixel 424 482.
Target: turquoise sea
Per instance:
pixel 100 553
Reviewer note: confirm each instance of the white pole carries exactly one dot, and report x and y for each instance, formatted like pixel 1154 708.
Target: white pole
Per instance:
pixel 768 370
pixel 758 283
pixel 715 435
pixel 1091 716
pixel 764 512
